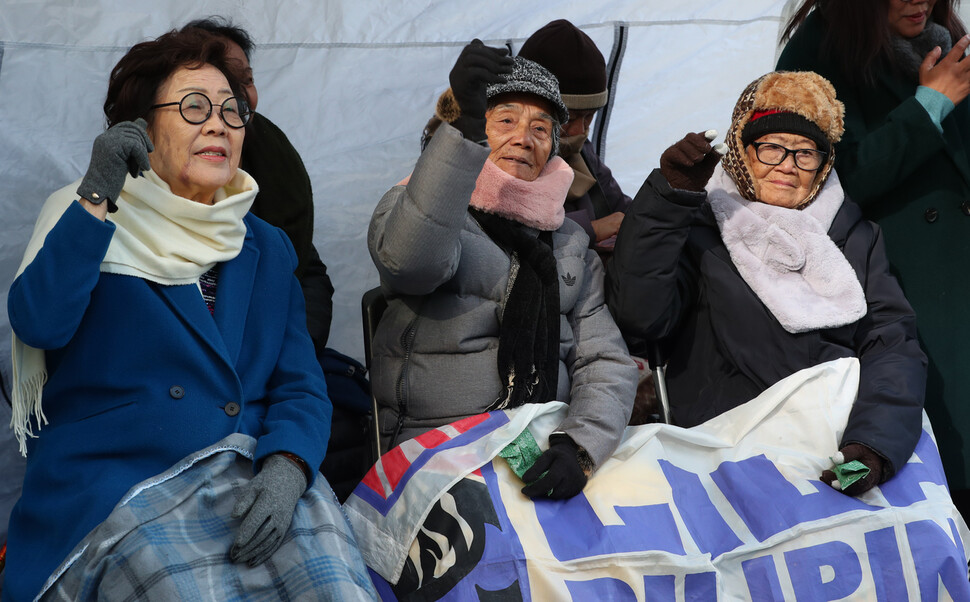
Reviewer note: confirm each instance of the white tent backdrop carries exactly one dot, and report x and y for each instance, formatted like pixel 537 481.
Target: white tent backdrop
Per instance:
pixel 352 84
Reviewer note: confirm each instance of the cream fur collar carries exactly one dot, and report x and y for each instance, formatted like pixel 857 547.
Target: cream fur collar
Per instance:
pixel 787 258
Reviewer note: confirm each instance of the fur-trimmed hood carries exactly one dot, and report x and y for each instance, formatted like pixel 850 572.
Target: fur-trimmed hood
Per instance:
pixel 803 93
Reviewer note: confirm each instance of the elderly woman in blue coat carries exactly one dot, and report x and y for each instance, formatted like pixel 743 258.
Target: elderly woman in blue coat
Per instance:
pixel 153 317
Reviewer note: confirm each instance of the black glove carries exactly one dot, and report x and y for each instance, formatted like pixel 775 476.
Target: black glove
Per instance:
pixel 872 460
pixel 563 477
pixel 121 149
pixel 689 163
pixel 477 67
pixel 267 502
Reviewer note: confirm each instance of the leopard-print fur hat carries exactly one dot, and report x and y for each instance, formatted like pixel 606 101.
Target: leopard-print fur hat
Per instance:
pixel 803 93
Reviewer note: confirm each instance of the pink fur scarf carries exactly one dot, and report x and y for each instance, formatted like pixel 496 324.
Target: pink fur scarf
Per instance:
pixel 537 204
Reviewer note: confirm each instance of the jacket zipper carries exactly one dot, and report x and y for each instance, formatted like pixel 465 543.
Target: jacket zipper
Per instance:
pixel 407 341
pixel 503 400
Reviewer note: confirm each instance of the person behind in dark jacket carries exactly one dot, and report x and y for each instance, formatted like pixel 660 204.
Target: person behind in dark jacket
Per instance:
pixel 595 200
pixel 754 267
pixel 285 198
pixel 899 68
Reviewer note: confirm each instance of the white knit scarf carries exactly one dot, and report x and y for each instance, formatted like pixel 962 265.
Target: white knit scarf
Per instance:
pixel 786 255
pixel 159 236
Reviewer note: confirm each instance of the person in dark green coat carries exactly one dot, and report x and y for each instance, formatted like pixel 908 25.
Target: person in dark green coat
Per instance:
pixel 905 158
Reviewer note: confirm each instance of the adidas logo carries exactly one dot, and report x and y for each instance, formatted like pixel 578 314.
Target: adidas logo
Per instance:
pixel 569 279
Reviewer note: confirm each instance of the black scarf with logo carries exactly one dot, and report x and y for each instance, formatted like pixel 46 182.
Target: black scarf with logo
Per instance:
pixel 528 348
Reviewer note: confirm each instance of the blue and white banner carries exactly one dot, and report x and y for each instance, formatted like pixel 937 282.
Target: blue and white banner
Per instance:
pixel 729 510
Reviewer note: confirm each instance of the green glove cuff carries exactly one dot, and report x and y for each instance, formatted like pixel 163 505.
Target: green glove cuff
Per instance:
pixel 522 453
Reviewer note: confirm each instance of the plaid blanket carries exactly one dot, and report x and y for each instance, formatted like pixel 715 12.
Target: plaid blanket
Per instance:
pixel 169 539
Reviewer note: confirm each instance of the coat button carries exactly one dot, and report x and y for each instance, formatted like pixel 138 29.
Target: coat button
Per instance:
pixel 931 214
pixel 965 208
pixel 176 392
pixel 232 408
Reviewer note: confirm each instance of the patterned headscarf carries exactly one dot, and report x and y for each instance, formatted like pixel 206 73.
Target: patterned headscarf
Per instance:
pixel 803 93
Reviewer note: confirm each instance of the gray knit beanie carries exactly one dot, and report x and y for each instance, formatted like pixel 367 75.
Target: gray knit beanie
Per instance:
pixel 532 78
pixel 529 77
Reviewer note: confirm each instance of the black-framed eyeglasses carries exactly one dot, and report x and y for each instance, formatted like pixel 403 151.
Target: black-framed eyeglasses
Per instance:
pixel 807 159
pixel 196 108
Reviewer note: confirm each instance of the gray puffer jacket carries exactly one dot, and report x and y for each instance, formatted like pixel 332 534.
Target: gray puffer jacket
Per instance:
pixel 436 348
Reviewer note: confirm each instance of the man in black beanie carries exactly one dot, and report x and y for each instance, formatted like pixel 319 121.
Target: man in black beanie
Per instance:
pixel 595 200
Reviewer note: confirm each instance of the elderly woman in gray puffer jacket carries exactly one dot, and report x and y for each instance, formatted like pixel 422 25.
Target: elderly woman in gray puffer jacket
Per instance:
pixel 494 299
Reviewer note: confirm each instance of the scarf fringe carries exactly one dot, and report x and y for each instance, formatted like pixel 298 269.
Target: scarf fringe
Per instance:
pixel 27 394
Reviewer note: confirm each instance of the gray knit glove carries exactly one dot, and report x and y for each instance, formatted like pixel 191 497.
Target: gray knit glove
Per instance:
pixel 267 502
pixel 121 149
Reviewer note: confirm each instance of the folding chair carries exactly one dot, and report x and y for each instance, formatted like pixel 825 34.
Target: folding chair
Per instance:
pixel 657 362
pixel 372 306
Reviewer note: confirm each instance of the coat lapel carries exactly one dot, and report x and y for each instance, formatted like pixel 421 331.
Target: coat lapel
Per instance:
pixel 233 297
pixel 187 303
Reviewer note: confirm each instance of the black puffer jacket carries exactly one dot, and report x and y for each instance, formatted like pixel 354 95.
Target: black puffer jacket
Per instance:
pixel 673 280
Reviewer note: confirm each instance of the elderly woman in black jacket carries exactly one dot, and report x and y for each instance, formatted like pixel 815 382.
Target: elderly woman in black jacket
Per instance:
pixel 752 269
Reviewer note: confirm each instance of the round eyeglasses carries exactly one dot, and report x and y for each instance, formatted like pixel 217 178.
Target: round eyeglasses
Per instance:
pixel 807 159
pixel 196 108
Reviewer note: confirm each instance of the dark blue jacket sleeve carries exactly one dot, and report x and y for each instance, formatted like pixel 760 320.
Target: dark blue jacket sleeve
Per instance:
pixel 299 410
pixel 887 415
pixel 47 301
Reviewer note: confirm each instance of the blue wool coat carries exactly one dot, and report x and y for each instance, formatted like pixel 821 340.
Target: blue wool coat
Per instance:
pixel 140 375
